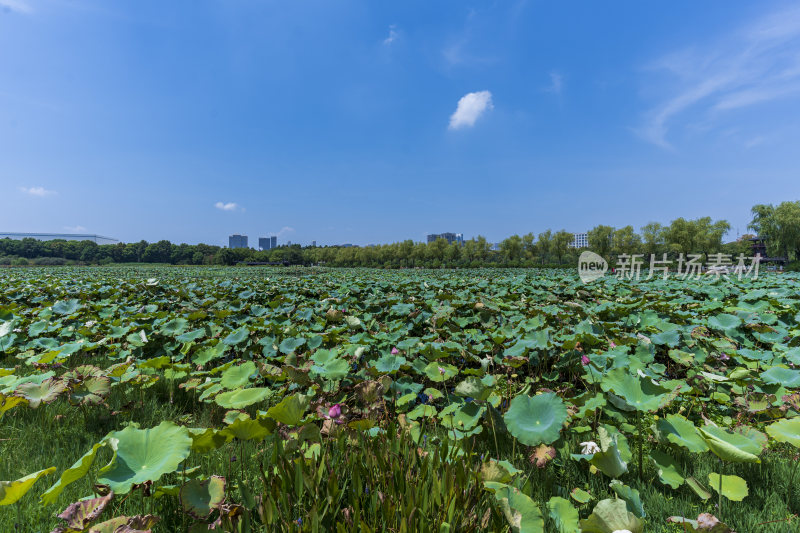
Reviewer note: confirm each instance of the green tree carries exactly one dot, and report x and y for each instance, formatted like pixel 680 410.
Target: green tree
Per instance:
pixel 560 244
pixel 600 240
pixel 626 241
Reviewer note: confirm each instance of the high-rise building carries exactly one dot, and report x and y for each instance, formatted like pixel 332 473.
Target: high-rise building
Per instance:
pixel 237 241
pixel 273 241
pixel 579 240
pixel 449 237
pixel 314 244
pixel 267 243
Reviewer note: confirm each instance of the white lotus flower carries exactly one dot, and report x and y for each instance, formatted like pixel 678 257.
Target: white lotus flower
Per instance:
pixel 622 531
pixel 589 448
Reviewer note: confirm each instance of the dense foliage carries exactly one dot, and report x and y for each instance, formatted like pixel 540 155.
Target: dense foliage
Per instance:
pixel 310 399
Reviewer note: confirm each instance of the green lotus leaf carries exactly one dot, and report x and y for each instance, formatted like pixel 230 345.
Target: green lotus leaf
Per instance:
pixel 205 355
pixel 609 516
pixel 290 410
pixel 639 393
pixel 698 488
pixel 9 402
pixel 521 512
pixel 724 322
pixel 609 459
pixel 80 515
pixel 786 430
pixel 421 411
pixel 678 430
pixel 144 455
pixel 127 524
pixel 207 439
pixel 536 420
pixel 237 337
pixel 246 428
pixel 238 376
pixel 667 468
pixel 192 335
pixel 12 491
pixel 669 338
pixel 328 365
pixel 733 487
pixel 730 446
pixel 389 364
pixel 475 388
pixel 580 495
pixel 782 376
pixel 291 344
pixel 66 307
pixel 174 327
pixel 198 498
pixel 564 514
pixel 72 474
pixel 439 372
pixel 630 496
pixel 241 398
pixel 44 392
pixel 464 418
pixel 493 470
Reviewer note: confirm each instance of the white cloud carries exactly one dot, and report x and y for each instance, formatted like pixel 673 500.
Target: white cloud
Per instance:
pixel 556 83
pixel 75 229
pixel 758 64
pixel 393 35
pixel 229 206
pixel 470 107
pixel 285 230
pixel 17 6
pixel 37 191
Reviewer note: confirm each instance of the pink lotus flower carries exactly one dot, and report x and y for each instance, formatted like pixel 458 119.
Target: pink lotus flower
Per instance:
pixel 584 360
pixel 612 344
pixel 395 351
pixel 335 411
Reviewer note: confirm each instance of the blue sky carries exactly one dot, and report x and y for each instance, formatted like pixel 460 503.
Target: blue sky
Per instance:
pixel 371 122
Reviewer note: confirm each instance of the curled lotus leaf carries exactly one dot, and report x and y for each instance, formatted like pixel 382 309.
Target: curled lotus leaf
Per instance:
pixel 520 511
pixel 144 455
pixel 9 402
pixel 72 474
pixel 92 391
pixel 609 516
pixel 787 430
pixel 682 432
pixel 80 514
pixel 290 410
pixel 536 420
pixel 126 524
pixel 730 446
pixel 667 468
pixel 639 393
pixel 45 392
pixel 564 514
pixel 199 498
pixel 12 491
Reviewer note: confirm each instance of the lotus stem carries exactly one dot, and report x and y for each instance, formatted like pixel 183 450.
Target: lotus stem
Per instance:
pixel 719 499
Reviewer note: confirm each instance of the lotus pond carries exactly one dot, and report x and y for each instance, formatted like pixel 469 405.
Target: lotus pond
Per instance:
pixel 194 399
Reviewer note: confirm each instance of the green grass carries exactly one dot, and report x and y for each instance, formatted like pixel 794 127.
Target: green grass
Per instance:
pixel 58 434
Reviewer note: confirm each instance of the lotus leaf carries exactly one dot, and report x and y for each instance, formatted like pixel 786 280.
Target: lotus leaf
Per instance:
pixel 730 446
pixel 72 474
pixel 144 455
pixel 667 468
pixel 241 398
pixel 564 514
pixel 238 376
pixel 521 512
pixel 80 515
pixel 733 487
pixel 639 393
pixel 199 498
pixel 44 392
pixel 290 410
pixel 609 516
pixel 536 420
pixel 11 491
pixel 787 430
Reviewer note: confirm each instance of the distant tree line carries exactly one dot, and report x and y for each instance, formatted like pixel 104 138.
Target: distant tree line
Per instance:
pixel 778 225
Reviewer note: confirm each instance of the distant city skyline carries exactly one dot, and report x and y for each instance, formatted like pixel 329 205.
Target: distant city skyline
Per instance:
pixel 363 122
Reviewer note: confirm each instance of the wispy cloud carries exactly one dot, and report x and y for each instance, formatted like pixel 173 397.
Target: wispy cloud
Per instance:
pixel 470 107
pixel 37 191
pixel 75 229
pixel 556 83
pixel 285 231
pixel 228 206
pixel 17 6
pixel 393 36
pixel 757 64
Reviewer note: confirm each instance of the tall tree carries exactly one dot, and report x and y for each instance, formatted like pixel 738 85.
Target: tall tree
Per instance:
pixel 600 240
